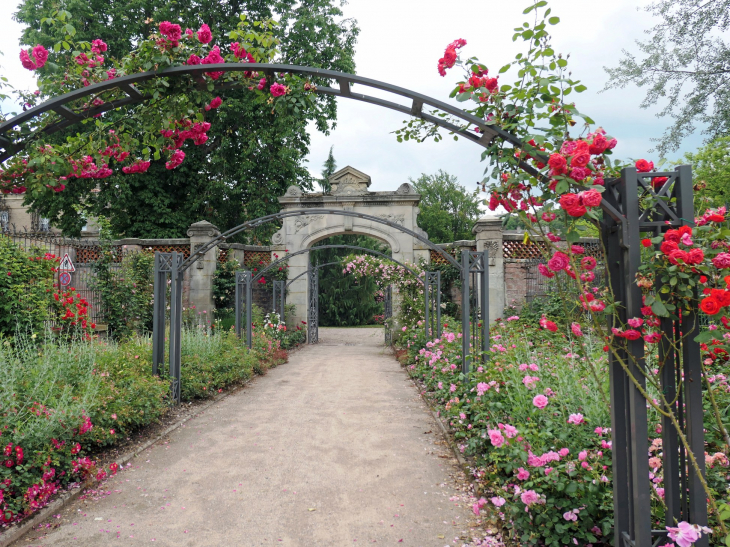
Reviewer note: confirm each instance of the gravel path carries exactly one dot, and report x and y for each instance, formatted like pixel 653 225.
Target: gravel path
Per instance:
pixel 334 448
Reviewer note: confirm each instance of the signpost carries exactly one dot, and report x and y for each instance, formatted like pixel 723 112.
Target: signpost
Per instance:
pixel 66 268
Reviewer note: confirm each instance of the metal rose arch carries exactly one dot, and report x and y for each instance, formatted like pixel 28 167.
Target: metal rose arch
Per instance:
pixel 631 206
pixel 68 117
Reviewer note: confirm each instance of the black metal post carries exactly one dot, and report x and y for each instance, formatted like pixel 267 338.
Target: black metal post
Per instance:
pixel 438 304
pixel 465 314
pixel 158 312
pixel 388 313
pixel 484 297
pixel 427 304
pixel 237 303
pixel 248 284
pixel 176 275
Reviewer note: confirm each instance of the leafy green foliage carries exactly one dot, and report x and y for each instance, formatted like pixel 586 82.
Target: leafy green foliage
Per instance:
pixel 344 300
pixel 224 283
pixel 683 67
pixel 124 284
pixel 254 153
pixel 448 210
pixel 328 169
pixel 711 173
pixel 26 280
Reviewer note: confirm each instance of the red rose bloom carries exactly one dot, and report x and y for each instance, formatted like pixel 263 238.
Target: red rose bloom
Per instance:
pixel 632 334
pixel 558 164
pixel 599 145
pixel 591 198
pixel 672 235
pixel 572 205
pixel 559 261
pixel 643 166
pixel 580 159
pixel 676 256
pixel 658 182
pixel 684 230
pixel 668 246
pixel 716 217
pixel 696 256
pixel 646 242
pixel 588 263
pixel 710 305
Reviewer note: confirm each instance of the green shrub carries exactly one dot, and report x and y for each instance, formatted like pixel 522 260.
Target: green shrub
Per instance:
pixel 125 285
pixel 62 399
pixel 26 281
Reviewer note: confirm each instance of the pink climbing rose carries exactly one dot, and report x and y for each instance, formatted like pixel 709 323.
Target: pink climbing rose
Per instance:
pixel 277 90
pixel 40 56
pixel 540 401
pixel 204 34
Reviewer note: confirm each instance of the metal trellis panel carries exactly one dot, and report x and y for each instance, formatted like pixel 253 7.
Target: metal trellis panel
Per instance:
pixel 432 304
pixel 645 208
pixel 474 305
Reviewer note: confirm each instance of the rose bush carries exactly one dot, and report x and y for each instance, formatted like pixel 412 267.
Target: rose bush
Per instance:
pixel 535 420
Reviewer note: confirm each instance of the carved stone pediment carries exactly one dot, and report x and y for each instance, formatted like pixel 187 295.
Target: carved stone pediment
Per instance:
pixel 349 182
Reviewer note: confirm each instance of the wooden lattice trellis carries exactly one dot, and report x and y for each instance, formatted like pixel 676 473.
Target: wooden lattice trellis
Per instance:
pixel 438 258
pixel 179 247
pixel 263 257
pixel 534 250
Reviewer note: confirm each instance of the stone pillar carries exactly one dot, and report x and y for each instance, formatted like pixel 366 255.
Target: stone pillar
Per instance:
pixel 488 233
pixel 203 269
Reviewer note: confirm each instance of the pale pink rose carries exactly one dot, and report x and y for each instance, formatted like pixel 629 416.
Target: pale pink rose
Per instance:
pixel 496 438
pixel 523 474
pixel 540 401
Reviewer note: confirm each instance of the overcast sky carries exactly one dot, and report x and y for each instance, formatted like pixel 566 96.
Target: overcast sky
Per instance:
pixel 400 43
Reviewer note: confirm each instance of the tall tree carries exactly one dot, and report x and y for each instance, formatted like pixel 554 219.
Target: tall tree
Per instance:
pixel 711 173
pixel 684 65
pixel 448 210
pixel 343 299
pixel 328 168
pixel 253 157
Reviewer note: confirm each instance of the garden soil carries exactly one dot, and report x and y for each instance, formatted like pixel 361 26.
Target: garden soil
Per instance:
pixel 334 448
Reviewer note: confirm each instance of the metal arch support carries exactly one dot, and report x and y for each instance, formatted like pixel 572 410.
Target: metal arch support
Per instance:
pixel 487 133
pixel 432 304
pixel 388 313
pixel 474 265
pixel 244 290
pixel 279 298
pixel 287 257
pixel 313 312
